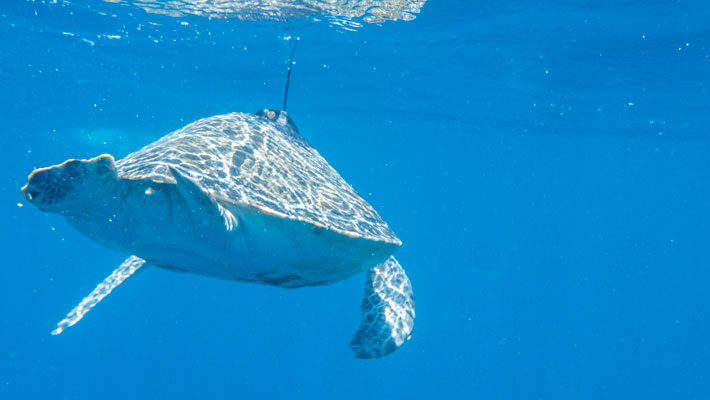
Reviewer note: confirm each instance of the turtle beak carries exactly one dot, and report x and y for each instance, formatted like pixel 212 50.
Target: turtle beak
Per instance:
pixel 28 193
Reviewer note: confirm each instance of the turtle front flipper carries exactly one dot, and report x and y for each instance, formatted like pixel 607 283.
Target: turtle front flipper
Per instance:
pixel 387 311
pixel 123 272
pixel 199 200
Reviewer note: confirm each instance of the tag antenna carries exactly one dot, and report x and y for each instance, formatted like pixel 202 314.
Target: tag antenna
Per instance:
pixel 288 74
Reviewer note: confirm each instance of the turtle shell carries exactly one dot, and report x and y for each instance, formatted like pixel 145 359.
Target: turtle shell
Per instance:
pixel 261 161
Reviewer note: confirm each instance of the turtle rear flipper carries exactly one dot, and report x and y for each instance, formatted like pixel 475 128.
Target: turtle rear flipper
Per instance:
pixel 387 311
pixel 123 272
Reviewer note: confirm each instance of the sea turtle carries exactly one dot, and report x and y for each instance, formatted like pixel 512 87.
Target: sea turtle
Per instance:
pixel 241 197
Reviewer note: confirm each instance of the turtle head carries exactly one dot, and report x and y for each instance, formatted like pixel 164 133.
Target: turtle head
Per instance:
pixel 72 187
pixel 90 195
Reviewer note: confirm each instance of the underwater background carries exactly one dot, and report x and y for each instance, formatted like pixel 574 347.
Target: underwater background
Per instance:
pixel 546 165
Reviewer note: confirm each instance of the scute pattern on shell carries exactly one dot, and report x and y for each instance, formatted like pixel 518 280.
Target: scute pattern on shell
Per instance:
pixel 260 162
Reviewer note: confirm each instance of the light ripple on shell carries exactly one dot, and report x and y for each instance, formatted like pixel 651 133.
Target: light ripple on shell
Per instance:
pixel 280 173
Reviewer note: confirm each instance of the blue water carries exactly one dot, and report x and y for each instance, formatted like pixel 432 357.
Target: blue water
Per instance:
pixel 546 166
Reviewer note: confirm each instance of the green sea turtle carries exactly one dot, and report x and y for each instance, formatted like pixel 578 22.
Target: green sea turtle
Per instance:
pixel 241 197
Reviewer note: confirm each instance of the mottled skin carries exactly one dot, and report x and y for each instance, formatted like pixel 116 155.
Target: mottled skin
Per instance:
pixel 241 197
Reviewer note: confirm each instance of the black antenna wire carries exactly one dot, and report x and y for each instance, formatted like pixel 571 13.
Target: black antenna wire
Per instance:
pixel 288 75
